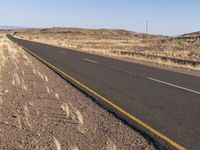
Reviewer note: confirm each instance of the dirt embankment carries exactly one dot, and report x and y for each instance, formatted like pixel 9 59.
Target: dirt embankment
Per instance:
pixel 39 110
pixel 122 44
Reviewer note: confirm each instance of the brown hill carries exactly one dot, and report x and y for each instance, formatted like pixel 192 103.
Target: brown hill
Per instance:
pixel 192 34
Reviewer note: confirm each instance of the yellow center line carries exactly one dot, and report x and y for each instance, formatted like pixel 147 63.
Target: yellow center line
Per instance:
pixel 159 134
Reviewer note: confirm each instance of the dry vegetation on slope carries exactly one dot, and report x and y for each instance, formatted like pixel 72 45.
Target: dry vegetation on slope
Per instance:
pixel 39 110
pixel 114 43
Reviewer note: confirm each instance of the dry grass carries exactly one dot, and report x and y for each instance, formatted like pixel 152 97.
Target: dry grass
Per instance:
pixel 8 51
pixel 2 50
pixel 142 58
pixel 57 144
pixel 104 42
pixel 38 102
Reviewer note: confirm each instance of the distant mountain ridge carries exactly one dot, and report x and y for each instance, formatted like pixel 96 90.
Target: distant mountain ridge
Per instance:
pixel 88 31
pixel 10 27
pixel 192 34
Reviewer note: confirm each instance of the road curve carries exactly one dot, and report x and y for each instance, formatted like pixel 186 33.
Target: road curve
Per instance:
pixel 162 104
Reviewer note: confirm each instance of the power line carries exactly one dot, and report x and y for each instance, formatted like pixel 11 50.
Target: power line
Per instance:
pixel 174 22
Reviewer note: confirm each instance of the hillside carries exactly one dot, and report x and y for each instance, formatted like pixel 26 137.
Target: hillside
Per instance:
pixel 191 34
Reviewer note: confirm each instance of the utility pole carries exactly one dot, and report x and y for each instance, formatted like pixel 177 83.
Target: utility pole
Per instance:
pixel 147 27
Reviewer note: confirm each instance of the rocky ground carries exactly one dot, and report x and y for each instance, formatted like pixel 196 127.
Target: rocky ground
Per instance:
pixel 39 110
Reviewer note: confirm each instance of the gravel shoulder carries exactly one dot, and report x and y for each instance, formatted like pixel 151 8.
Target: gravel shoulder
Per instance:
pixel 39 110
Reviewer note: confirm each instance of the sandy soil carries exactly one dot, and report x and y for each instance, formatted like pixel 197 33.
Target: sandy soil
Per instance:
pixel 39 110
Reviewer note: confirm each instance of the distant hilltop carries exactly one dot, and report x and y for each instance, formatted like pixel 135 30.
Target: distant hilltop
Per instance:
pixel 192 34
pixel 10 28
pixel 93 32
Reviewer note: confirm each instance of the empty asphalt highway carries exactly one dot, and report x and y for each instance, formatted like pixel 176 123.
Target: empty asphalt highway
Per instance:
pixel 163 104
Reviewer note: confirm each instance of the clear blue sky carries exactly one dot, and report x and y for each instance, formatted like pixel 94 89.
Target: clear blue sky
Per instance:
pixel 165 16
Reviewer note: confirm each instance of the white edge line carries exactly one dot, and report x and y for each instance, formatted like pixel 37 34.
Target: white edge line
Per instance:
pixel 180 87
pixel 92 61
pixel 61 52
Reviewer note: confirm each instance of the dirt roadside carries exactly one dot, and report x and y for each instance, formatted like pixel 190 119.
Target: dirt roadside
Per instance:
pixel 39 110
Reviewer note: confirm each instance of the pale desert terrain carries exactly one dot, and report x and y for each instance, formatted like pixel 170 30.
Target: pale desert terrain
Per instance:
pixel 122 44
pixel 39 110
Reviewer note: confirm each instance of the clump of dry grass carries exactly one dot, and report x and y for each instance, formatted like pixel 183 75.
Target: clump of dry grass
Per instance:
pixel 57 144
pixel 167 63
pixel 128 57
pixel 2 50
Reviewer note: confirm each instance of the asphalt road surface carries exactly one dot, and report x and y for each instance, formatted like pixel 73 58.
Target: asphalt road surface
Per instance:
pixel 167 101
